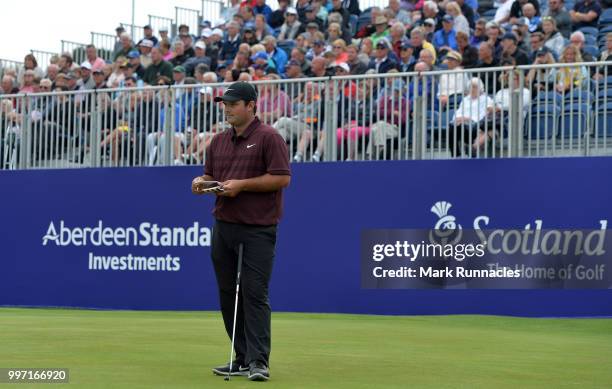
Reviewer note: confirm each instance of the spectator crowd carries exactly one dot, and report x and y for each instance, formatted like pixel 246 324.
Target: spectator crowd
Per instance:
pixel 316 38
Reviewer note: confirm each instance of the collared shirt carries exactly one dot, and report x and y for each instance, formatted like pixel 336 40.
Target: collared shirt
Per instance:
pixel 259 150
pixel 377 62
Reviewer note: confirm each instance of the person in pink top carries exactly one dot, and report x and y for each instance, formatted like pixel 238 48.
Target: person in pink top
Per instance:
pixel 28 82
pixel 96 62
pixel 273 103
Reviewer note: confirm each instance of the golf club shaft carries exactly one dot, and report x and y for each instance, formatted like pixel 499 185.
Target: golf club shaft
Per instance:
pixel 240 252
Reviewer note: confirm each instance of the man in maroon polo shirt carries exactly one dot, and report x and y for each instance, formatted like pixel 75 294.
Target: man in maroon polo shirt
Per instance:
pixel 252 162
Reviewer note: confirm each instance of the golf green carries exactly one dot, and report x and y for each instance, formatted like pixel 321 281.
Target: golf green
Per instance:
pixel 145 349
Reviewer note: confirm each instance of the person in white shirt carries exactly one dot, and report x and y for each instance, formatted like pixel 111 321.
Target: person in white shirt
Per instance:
pixel 469 116
pixel 453 82
pixel 502 15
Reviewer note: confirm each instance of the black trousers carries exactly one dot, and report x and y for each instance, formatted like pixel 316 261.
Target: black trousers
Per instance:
pixel 252 342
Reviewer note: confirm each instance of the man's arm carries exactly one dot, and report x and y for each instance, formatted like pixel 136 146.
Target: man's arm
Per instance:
pixel 265 183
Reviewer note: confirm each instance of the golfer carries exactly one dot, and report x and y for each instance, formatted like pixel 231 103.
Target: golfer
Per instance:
pixel 251 161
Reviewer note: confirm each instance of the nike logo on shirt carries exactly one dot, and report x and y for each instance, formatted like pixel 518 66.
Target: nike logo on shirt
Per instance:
pixel 249 146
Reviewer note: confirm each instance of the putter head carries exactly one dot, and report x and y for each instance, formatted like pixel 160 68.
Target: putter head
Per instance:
pixel 227 378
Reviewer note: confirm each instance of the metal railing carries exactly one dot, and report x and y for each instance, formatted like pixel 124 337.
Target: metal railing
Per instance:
pixel 105 44
pixel 189 17
pixel 157 22
pixel 524 111
pixel 138 31
pixel 76 50
pixel 211 9
pixel 43 58
pixel 7 64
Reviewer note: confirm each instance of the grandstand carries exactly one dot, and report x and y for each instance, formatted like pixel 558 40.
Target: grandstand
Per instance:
pixel 353 84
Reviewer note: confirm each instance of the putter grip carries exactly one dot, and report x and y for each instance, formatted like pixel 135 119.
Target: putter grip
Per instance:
pixel 240 254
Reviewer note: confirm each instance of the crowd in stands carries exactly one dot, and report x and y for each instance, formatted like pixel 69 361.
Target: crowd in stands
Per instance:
pixel 316 38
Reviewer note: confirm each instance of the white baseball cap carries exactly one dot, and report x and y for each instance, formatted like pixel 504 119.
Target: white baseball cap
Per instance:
pixel 217 31
pixel 344 66
pixel 207 32
pixel 86 65
pixel 200 45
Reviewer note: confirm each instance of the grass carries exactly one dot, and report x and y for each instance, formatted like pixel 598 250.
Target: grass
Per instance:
pixel 136 349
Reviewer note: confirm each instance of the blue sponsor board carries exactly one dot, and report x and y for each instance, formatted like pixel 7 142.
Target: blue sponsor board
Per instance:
pixel 138 239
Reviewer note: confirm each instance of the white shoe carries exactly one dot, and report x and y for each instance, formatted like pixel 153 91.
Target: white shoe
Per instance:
pixel 316 157
pixel 178 162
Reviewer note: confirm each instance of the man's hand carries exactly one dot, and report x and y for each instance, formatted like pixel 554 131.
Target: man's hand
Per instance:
pixel 197 185
pixel 231 188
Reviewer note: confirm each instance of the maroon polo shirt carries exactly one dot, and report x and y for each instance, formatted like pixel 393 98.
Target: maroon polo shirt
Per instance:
pixel 260 149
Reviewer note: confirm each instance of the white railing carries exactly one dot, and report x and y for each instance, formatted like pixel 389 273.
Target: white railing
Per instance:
pixel 512 112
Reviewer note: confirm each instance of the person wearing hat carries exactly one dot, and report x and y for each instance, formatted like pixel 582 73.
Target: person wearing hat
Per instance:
pixel 158 68
pixel 429 26
pixel 86 82
pixel 145 47
pixel 178 75
pixel 248 35
pixel 382 62
pixel 163 35
pixel 199 58
pixel 541 79
pixel 71 80
pixel 290 28
pixel 510 49
pixel 99 79
pixel 187 40
pixel 134 61
pixel 127 70
pixel 148 34
pixel 311 17
pixel 446 39
pixel 452 83
pixel 251 160
pixel 117 47
pixel 406 58
pixel 382 30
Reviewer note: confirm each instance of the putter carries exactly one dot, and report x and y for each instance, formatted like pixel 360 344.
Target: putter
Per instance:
pixel 240 251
